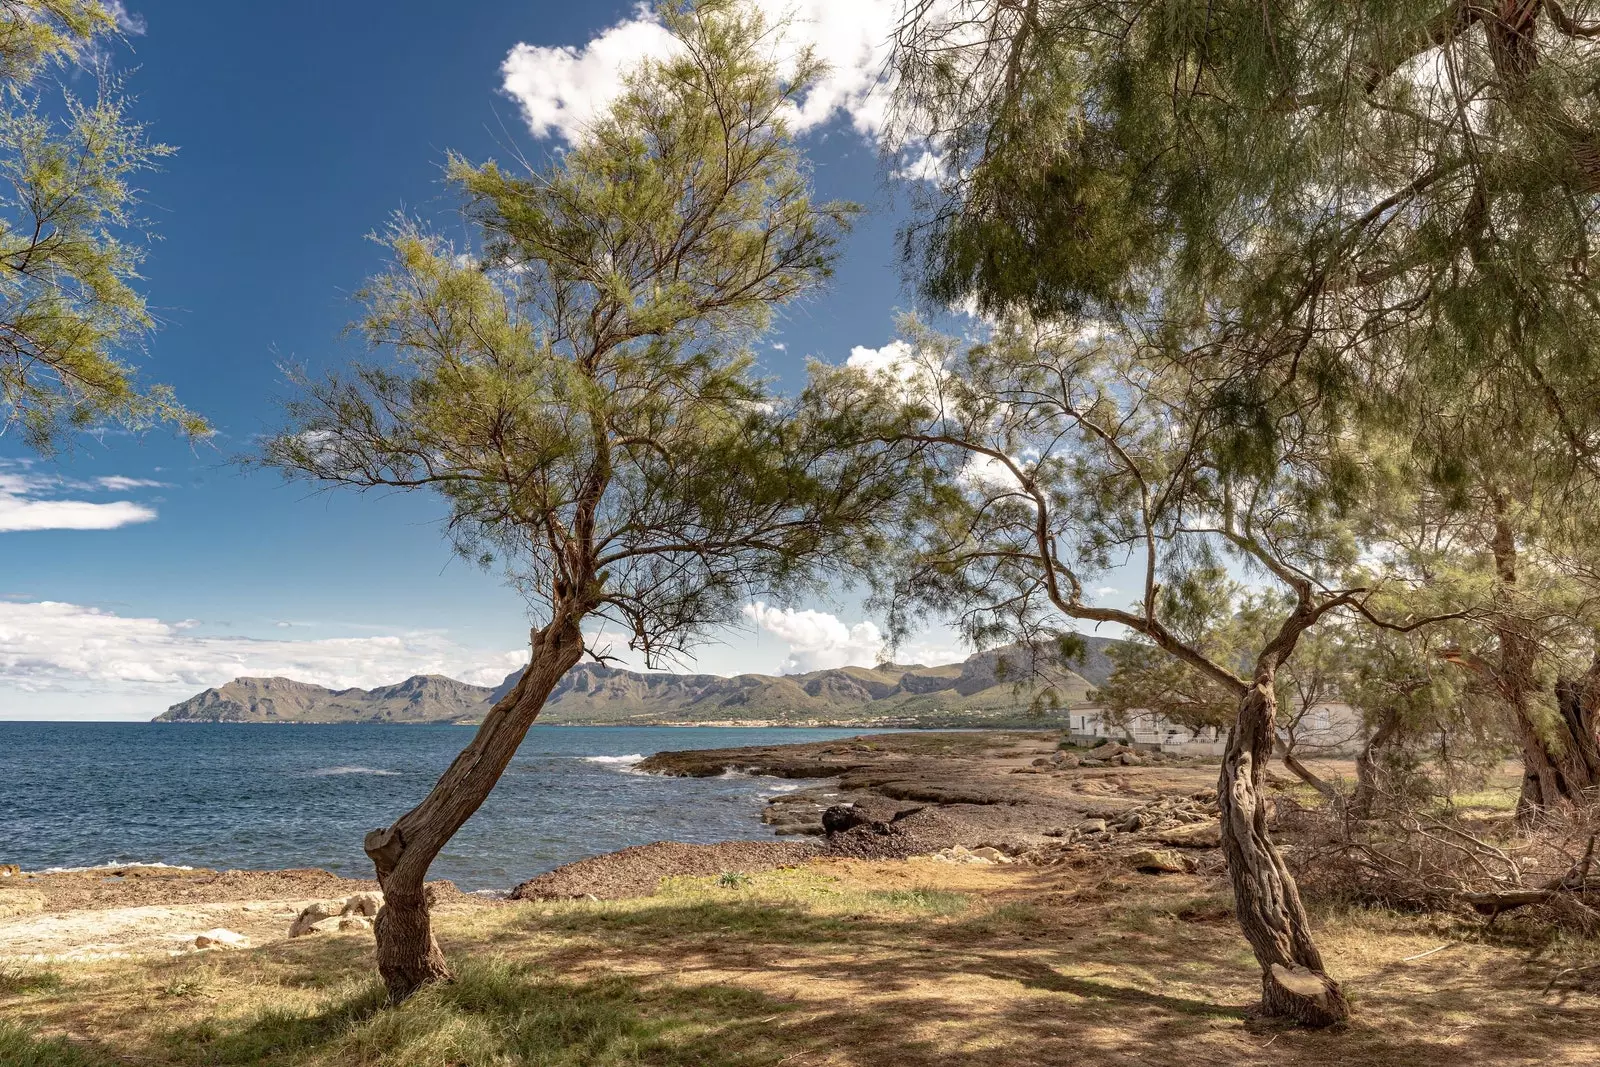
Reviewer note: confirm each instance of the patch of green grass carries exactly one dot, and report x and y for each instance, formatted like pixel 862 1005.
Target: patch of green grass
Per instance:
pixel 922 899
pixel 1490 800
pixel 18 1048
pixel 497 1013
pixel 17 979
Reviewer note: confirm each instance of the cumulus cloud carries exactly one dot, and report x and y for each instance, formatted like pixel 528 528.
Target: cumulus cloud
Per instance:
pixel 562 88
pixel 51 646
pixel 30 501
pixel 817 640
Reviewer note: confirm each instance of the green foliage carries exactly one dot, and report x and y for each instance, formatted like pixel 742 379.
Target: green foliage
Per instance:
pixel 1056 453
pixel 580 388
pixel 1376 215
pixel 67 302
pixel 18 1048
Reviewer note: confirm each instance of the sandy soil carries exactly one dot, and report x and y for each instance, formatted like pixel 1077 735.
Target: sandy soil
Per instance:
pixel 136 911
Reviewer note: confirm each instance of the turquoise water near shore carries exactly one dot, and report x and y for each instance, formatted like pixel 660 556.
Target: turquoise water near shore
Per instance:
pixel 263 796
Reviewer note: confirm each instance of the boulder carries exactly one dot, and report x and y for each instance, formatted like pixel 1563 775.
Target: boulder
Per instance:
pixel 1129 759
pixel 1206 834
pixel 1066 760
pixel 310 915
pixel 363 904
pixel 313 918
pixel 992 855
pixel 1158 861
pixel 1092 826
pixel 842 817
pixel 220 938
pixel 1107 752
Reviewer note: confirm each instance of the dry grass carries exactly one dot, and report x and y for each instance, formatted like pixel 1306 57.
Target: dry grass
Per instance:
pixel 839 963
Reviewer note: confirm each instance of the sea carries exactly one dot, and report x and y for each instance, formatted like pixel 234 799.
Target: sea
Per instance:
pixel 225 796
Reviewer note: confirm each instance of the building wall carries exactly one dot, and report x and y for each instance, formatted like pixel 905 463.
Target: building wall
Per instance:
pixel 1331 729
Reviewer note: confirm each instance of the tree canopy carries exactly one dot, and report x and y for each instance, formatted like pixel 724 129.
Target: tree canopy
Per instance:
pixel 68 305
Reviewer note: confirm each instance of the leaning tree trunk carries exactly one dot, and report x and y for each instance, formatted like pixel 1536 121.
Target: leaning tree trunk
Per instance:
pixel 1560 756
pixel 1294 984
pixel 1368 767
pixel 1560 753
pixel 408 955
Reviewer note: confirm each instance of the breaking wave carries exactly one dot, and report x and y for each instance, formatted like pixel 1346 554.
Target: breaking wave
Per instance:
pixel 327 772
pixel 113 867
pixel 615 761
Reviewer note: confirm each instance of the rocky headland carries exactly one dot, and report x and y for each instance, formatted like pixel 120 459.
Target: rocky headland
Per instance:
pixel 983 689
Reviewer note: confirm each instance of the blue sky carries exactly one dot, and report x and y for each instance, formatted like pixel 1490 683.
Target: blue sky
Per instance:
pixel 302 127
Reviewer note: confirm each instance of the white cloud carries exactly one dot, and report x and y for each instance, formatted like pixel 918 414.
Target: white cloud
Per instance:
pixel 127 21
pixel 18 515
pixel 51 647
pixel 116 483
pixel 893 358
pixel 31 501
pixel 562 88
pixel 817 640
pixel 987 473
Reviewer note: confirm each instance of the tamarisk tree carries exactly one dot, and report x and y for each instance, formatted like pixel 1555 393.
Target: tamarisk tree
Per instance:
pixel 68 305
pixel 1061 453
pixel 1384 213
pixel 582 398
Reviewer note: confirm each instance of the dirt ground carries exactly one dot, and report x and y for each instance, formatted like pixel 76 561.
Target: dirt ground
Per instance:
pixel 135 911
pixel 777 952
pixel 829 964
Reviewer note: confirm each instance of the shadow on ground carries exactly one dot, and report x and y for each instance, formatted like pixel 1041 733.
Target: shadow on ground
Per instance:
pixel 760 975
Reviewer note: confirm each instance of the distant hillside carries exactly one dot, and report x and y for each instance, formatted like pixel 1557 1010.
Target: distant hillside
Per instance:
pixel 977 690
pixel 423 698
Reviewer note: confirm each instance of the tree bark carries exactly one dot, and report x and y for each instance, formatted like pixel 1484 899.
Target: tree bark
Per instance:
pixel 1560 758
pixel 408 956
pixel 1286 753
pixel 1366 794
pixel 1294 984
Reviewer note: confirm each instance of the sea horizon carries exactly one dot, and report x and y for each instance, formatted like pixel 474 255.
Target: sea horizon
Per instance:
pixel 89 795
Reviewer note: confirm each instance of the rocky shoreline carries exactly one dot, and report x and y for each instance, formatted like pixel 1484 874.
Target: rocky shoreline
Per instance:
pixel 968 797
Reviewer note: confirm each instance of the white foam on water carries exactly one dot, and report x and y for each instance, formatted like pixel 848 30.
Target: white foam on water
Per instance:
pixel 112 867
pixel 326 772
pixel 615 761
pixel 786 787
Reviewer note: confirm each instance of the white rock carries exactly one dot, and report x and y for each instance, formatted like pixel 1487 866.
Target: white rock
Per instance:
pixel 220 938
pixel 363 904
pixel 992 855
pixel 314 913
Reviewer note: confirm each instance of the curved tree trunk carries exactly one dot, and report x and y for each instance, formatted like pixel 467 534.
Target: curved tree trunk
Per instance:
pixel 1294 984
pixel 1291 760
pixel 1367 768
pixel 1560 758
pixel 1566 752
pixel 408 955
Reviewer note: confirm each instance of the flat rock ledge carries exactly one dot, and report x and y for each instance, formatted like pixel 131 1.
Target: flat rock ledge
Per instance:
pixel 638 871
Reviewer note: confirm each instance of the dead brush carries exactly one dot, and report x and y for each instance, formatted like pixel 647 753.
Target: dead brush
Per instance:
pixel 1414 860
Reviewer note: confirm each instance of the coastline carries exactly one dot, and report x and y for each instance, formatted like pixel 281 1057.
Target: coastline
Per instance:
pixel 906 794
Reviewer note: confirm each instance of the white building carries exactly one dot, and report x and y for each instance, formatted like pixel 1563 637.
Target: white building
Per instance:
pixel 1331 729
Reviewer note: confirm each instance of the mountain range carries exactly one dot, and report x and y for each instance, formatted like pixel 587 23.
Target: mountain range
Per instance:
pixel 980 690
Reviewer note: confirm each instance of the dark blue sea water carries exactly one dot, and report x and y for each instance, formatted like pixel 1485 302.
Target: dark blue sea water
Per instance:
pixel 248 796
